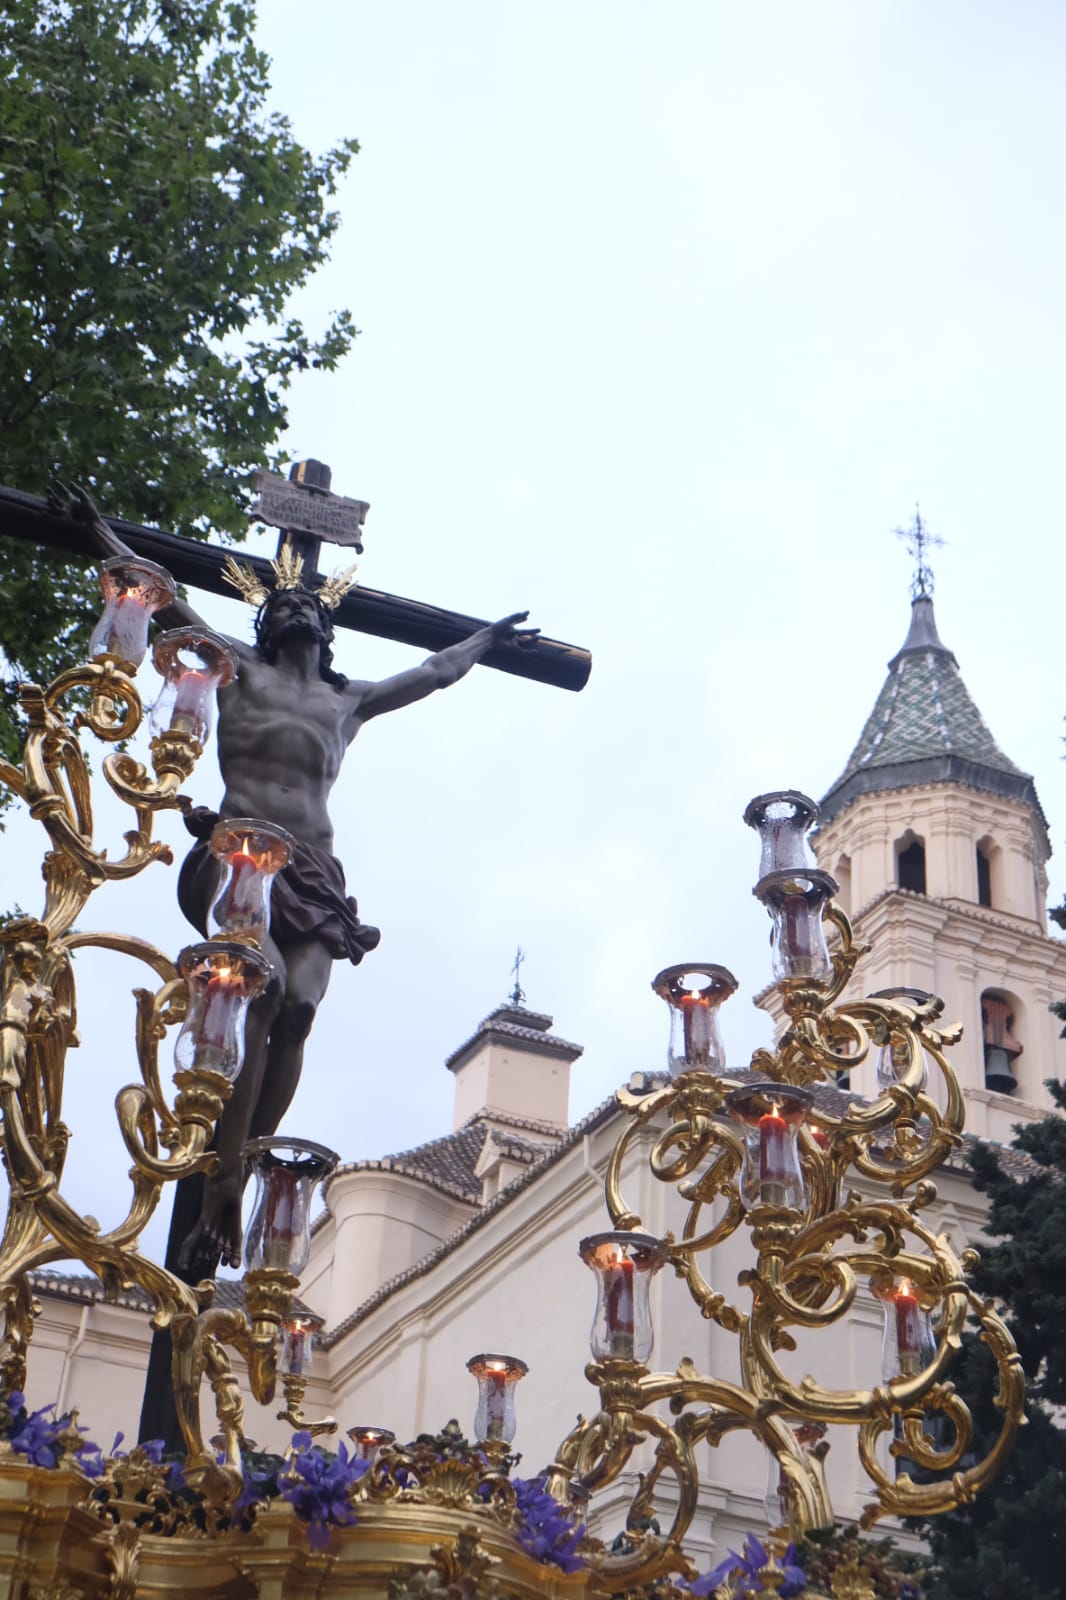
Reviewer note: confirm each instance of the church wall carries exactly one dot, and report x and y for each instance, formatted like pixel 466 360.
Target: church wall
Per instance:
pixel 946 942
pixel 517 1286
pixel 516 1082
pixel 959 952
pixel 381 1223
pixel 950 821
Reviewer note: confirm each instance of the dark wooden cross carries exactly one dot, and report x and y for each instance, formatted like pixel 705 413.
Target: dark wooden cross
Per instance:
pixel 307 513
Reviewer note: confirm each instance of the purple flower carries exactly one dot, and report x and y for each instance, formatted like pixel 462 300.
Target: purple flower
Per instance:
pixel 316 1485
pixel 546 1529
pixel 260 1475
pixel 744 1572
pixel 36 1435
pixel 33 1435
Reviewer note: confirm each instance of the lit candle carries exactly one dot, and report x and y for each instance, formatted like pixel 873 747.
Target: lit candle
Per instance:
pixel 773 1157
pixel 221 990
pixel 797 927
pixel 618 1292
pixel 819 1135
pixel 279 1221
pixel 129 629
pixel 495 1398
pixel 908 1326
pixel 190 702
pixel 242 899
pixel 696 1017
pixel 368 1441
pixel 296 1345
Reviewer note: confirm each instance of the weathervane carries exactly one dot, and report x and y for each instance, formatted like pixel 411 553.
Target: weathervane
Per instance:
pixel 518 994
pixel 919 542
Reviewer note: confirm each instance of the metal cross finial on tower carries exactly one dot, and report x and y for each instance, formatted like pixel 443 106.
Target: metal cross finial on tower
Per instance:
pixel 517 993
pixel 919 541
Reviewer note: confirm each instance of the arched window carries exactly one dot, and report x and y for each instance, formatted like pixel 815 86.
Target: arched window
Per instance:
pixel 988 892
pixel 1002 1046
pixel 842 874
pixel 910 863
pixel 984 879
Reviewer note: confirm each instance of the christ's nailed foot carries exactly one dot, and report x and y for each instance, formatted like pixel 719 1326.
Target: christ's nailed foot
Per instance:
pixel 216 1237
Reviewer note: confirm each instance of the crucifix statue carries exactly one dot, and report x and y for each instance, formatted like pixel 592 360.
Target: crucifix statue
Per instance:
pixel 284 725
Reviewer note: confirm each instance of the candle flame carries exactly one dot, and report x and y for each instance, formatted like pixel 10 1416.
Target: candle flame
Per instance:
pixel 905 1289
pixel 244 850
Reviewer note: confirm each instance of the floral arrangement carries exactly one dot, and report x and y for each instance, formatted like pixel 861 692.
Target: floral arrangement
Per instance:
pixel 742 1572
pixel 46 1438
pixel 546 1530
pixel 320 1485
pixel 317 1485
pixel 316 1482
pixel 889 1573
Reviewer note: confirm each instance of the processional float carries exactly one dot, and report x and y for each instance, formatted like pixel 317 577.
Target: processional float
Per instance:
pixel 743 1150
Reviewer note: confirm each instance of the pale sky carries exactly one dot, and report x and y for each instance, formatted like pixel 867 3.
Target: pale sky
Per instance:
pixel 670 314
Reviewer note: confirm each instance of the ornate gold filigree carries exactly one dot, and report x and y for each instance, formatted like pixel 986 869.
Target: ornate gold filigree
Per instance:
pixel 166 1141
pixel 808 1271
pixel 460 1570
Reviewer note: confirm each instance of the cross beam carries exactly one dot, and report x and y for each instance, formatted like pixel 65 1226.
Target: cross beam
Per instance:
pixel 388 616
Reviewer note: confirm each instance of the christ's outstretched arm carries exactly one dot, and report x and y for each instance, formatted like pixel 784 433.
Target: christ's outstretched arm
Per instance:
pixel 437 671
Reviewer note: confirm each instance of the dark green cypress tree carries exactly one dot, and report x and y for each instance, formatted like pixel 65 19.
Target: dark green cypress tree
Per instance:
pixel 1011 1543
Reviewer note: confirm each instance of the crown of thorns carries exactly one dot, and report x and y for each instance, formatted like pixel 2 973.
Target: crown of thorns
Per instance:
pixel 288 574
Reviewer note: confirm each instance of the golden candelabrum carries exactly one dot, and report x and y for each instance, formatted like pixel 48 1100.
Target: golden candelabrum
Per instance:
pixel 205 993
pixel 743 1151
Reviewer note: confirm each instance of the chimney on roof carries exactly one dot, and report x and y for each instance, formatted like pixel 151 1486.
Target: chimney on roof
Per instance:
pixel 513 1070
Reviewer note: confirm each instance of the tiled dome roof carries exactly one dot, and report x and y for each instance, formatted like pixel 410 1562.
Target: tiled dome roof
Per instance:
pixel 925 728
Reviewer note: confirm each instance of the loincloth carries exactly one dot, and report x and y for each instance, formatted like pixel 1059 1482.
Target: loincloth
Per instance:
pixel 307 901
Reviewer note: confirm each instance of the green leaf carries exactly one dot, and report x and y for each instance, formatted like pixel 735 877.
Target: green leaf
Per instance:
pixel 151 211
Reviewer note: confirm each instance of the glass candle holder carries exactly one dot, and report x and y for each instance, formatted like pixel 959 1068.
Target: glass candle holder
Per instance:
pixel 250 854
pixel 771 1115
pixel 286 1172
pixel 778 1497
pixel 193 663
pixel 782 821
pixel 797 942
pixel 297 1341
pixel 496 1378
pixel 223 979
pixel 893 1057
pixel 133 590
pixel 694 992
pixel 368 1441
pixel 909 1344
pixel 624 1264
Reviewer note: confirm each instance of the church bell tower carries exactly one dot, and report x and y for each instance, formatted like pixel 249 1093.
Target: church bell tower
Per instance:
pixel 939 845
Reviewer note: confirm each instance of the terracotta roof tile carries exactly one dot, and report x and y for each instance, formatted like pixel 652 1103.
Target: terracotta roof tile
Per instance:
pixel 522 1028
pixel 87 1290
pixel 573 1136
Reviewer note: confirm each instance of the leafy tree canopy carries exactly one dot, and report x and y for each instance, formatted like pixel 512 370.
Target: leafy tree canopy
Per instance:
pixel 1011 1543
pixel 155 220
